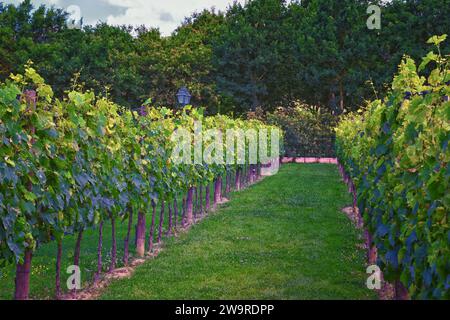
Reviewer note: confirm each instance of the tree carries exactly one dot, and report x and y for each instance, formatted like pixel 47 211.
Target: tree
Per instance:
pixel 184 59
pixel 110 63
pixel 27 34
pixel 248 54
pixel 266 53
pixel 332 48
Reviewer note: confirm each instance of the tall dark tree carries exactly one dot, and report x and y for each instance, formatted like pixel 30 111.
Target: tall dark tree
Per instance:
pixel 266 53
pixel 332 45
pixel 110 63
pixel 248 54
pixel 184 59
pixel 27 34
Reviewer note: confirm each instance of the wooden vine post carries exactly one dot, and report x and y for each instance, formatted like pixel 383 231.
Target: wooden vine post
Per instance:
pixel 190 206
pixel 217 191
pixel 140 234
pixel 126 253
pixel 237 183
pixel 22 281
pixel 207 198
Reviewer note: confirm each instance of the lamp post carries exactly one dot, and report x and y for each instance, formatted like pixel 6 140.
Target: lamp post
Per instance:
pixel 183 97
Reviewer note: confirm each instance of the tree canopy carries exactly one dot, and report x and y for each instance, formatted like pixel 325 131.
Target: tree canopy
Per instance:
pixel 266 53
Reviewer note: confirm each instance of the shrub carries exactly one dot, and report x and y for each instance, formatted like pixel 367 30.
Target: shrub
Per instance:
pixel 308 131
pixel 397 153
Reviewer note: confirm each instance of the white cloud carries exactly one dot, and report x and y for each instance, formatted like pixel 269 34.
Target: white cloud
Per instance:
pixel 164 14
pixel 157 13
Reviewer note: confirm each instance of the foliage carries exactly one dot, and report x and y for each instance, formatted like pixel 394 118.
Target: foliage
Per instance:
pixel 223 244
pixel 265 53
pixel 308 131
pixel 248 55
pixel 397 152
pixel 70 164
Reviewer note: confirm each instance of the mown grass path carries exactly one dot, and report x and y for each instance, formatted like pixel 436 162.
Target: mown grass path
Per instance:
pixel 283 238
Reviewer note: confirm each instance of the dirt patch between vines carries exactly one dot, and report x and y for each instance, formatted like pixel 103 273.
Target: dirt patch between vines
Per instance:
pixel 353 214
pixel 387 291
pixel 94 291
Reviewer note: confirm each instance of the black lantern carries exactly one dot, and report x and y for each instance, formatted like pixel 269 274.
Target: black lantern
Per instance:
pixel 183 96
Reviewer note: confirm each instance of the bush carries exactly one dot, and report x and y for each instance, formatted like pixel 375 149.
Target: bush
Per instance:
pixel 308 131
pixel 397 153
pixel 69 165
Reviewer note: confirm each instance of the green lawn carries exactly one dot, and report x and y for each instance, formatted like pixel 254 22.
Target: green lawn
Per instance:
pixel 284 238
pixel 42 282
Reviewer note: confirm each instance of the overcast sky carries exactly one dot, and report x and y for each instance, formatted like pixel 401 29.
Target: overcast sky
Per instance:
pixel 165 14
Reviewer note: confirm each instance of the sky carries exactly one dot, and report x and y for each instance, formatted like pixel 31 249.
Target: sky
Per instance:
pixel 167 15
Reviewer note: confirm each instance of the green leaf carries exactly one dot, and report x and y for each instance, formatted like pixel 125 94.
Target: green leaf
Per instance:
pixel 431 56
pixel 436 40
